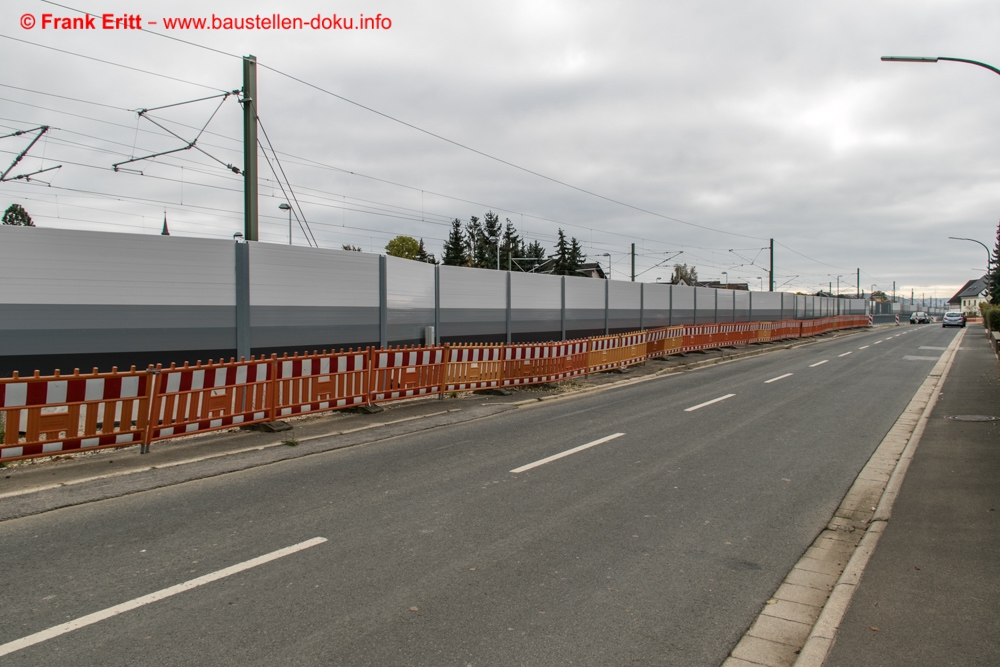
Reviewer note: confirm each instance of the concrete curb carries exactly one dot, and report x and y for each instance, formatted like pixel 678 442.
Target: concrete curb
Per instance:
pixel 822 584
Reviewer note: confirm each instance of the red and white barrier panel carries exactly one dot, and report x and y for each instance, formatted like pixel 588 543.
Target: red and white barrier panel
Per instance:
pixel 404 372
pixel 536 363
pixel 206 397
pixel 473 367
pixel 57 413
pixel 319 382
pixel 664 341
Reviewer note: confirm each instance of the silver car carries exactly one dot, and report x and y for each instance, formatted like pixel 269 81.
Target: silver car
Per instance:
pixel 953 318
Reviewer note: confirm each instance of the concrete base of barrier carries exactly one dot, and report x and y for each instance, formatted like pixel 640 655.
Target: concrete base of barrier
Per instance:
pixel 268 427
pixel 371 409
pixel 496 391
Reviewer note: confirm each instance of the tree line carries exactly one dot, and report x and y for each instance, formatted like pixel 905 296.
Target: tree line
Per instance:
pixel 489 244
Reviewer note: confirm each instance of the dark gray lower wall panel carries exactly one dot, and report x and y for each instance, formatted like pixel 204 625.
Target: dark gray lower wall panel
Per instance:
pixel 653 319
pixel 406 327
pixel 46 364
pixel 27 342
pixel 623 320
pixel 684 316
pixel 298 327
pixel 476 324
pixel 581 319
pixel 532 320
pixel 769 315
pixel 98 328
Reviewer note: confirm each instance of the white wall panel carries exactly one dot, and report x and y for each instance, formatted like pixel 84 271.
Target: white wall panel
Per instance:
pixel 411 284
pixel 530 290
pixel 462 287
pixel 64 266
pixel 295 276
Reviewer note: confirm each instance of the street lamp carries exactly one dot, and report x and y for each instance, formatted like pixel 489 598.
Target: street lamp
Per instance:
pixel 608 255
pixel 922 59
pixel 989 256
pixel 285 207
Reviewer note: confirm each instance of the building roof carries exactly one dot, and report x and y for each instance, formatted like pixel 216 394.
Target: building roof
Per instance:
pixel 972 288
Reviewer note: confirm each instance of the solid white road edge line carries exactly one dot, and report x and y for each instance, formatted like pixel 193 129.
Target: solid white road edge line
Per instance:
pixel 560 455
pixel 714 400
pixel 780 377
pixel 98 616
pixel 818 363
pixel 844 354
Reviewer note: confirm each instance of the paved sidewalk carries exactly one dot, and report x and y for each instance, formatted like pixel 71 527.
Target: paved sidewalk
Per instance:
pixel 930 594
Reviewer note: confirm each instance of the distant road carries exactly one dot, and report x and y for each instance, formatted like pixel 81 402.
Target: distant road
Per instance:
pixel 646 524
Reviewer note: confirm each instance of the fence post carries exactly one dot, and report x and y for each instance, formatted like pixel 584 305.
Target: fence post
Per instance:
pixel 607 304
pixel 670 312
pixel 642 305
pixel 694 311
pixel 750 316
pixel 272 390
pixel 437 304
pixel 242 300
pixel 781 308
pixel 383 302
pixel 508 307
pixel 562 309
pixel 717 306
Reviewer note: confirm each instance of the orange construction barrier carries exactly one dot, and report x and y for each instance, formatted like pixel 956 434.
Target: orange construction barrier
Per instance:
pixel 618 351
pixel 320 381
pixel 403 372
pixel 61 413
pixel 664 341
pixel 534 363
pixel 473 367
pixel 207 397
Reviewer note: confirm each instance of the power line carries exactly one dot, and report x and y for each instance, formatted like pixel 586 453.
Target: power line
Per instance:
pixel 113 64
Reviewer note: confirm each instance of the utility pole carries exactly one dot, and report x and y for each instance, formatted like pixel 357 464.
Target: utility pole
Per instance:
pixel 771 272
pixel 859 284
pixel 250 148
pixel 633 262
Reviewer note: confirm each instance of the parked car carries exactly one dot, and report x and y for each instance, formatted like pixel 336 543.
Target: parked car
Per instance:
pixel 953 318
pixel 920 317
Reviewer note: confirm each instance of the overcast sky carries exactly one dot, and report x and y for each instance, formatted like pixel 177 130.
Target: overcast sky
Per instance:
pixel 729 122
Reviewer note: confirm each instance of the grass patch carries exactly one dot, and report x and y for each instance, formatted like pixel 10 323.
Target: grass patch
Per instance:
pixel 291 442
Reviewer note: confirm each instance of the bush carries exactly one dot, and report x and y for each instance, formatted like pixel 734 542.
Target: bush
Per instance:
pixel 992 319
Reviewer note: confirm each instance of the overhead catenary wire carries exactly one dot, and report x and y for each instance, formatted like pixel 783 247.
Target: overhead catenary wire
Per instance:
pixel 458 144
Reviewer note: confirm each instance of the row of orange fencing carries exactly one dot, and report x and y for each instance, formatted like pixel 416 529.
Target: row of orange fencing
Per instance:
pixel 60 413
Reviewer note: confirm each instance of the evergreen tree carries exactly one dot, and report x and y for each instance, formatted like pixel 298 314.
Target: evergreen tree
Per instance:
pixel 424 256
pixel 455 248
pixel 492 233
pixel 512 247
pixel 475 242
pixel 576 258
pixel 993 274
pixel 351 248
pixel 16 215
pixel 536 254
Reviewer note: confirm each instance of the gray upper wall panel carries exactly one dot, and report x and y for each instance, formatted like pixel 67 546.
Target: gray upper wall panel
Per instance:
pixel 411 284
pixel 462 287
pixel 584 293
pixel 532 291
pixel 295 276
pixel 624 295
pixel 64 266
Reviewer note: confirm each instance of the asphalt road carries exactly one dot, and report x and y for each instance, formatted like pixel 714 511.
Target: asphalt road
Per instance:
pixel 656 547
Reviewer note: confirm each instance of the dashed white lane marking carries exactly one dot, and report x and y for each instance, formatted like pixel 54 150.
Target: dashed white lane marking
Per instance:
pixel 714 400
pixel 928 347
pixel 862 347
pixel 818 363
pixel 844 354
pixel 780 377
pixel 98 616
pixel 876 342
pixel 560 455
